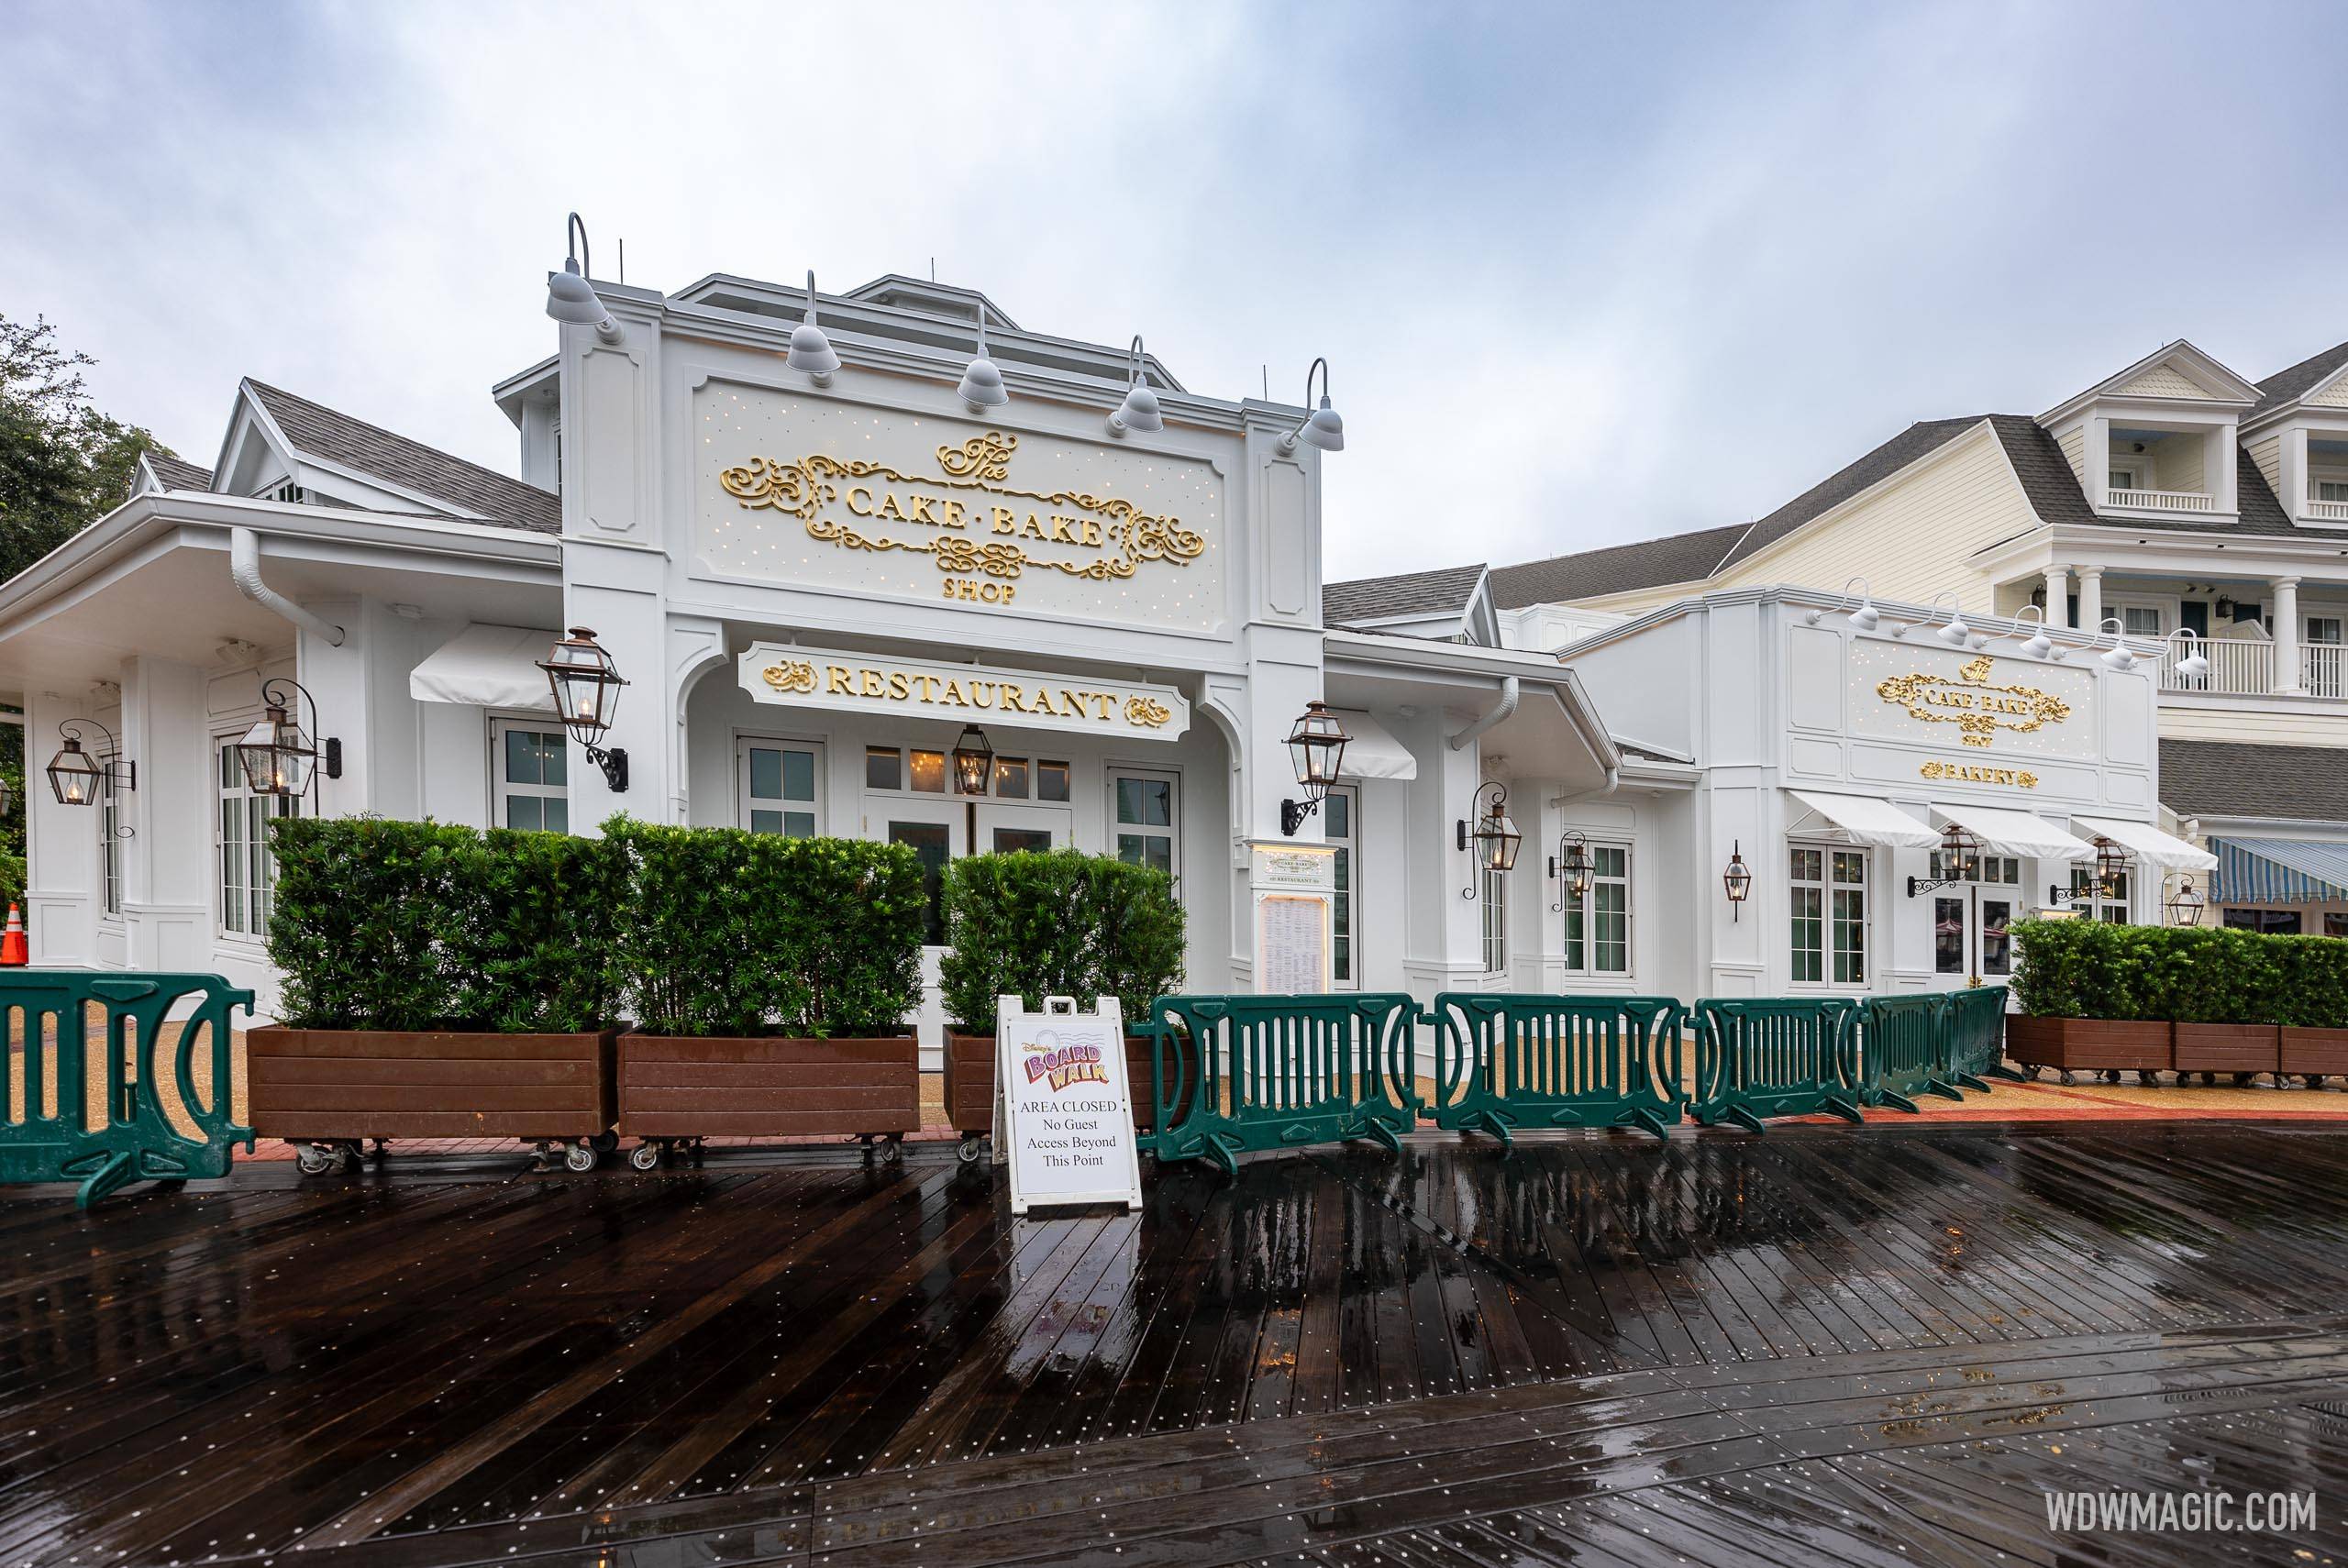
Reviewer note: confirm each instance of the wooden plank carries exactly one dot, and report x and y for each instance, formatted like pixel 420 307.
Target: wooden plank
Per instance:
pixel 779 1050
pixel 272 1101
pixel 270 1071
pixel 904 1117
pixel 424 1046
pixel 323 1125
pixel 731 1076
pixel 836 1099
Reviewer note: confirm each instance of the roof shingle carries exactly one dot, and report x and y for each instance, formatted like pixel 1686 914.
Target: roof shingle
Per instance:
pixel 335 437
pixel 1445 590
pixel 178 473
pixel 2230 778
pixel 2285 386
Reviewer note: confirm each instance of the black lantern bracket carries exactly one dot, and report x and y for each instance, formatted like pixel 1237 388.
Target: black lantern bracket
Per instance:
pixel 614 765
pixel 109 768
pixel 1492 828
pixel 1316 749
pixel 1570 867
pixel 586 685
pixel 330 748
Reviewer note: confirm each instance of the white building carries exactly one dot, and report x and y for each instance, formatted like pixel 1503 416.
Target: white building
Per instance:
pixel 823 581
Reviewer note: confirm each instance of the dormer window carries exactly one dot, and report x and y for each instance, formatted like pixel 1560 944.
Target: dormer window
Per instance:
pixel 2159 440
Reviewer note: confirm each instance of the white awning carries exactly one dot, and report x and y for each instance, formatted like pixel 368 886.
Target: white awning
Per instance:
pixel 2014 832
pixel 1869 820
pixel 1371 750
pixel 2151 846
pixel 487 666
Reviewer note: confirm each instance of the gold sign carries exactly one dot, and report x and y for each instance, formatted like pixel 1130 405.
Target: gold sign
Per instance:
pixel 1978 773
pixel 979 530
pixel 810 677
pixel 1977 708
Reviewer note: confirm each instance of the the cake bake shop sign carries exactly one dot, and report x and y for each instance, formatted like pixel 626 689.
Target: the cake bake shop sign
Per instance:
pixel 983 533
pixel 1977 706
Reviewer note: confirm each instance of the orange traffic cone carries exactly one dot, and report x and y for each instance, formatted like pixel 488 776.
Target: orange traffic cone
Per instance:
pixel 13 950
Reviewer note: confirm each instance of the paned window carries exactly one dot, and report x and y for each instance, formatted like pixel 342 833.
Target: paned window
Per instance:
pixel 248 869
pixel 1597 923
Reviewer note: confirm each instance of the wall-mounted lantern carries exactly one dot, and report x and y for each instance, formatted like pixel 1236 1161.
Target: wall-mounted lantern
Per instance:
pixel 1316 749
pixel 1736 881
pixel 75 777
pixel 1495 836
pixel 973 761
pixel 2185 905
pixel 1960 861
pixel 586 694
pixel 2110 866
pixel 1570 868
pixel 276 757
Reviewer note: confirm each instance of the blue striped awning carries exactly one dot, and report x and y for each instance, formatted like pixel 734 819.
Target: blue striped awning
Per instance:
pixel 2279 871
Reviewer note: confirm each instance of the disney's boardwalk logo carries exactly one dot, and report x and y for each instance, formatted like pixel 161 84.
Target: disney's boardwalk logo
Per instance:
pixel 1977 708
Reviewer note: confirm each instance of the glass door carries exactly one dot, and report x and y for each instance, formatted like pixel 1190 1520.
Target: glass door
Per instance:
pixel 778 784
pixel 935 830
pixel 1972 928
pixel 1002 828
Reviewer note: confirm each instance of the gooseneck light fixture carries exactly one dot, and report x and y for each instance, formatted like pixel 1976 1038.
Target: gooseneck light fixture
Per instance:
pixel 75 777
pixel 1322 428
pixel 1316 749
pixel 586 693
pixel 2195 665
pixel 276 757
pixel 810 351
pixel 1139 410
pixel 1736 881
pixel 973 761
pixel 982 386
pixel 2038 645
pixel 1495 835
pixel 1865 618
pixel 1570 868
pixel 1955 634
pixel 572 298
pixel 2185 905
pixel 2118 656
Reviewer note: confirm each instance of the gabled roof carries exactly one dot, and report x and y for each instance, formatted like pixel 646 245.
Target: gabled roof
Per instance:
pixel 2289 386
pixel 1447 590
pixel 1615 569
pixel 2207 380
pixel 2230 779
pixel 336 438
pixel 176 473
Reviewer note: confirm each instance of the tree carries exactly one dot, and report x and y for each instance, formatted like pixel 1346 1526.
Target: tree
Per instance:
pixel 63 464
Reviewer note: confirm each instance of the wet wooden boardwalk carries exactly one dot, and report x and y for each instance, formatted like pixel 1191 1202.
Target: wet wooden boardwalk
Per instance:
pixel 1869 1345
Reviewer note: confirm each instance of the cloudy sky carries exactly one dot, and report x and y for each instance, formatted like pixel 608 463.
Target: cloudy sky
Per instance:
pixel 1585 273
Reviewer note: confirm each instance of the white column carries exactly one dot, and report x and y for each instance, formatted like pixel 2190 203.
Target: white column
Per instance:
pixel 2286 633
pixel 2219 479
pixel 2090 597
pixel 2058 596
pixel 2099 466
pixel 2293 473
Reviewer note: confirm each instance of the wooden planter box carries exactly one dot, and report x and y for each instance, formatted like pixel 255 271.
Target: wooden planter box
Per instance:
pixel 322 1085
pixel 2226 1048
pixel 969 1082
pixel 2088 1045
pixel 2314 1053
pixel 777 1086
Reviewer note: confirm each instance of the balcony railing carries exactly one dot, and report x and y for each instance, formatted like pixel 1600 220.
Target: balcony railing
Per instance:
pixel 2159 501
pixel 2245 668
pixel 2328 511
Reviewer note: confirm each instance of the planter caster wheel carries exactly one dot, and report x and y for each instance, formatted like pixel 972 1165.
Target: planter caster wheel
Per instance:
pixel 2243 1080
pixel 2148 1079
pixel 2314 1081
pixel 893 1147
pixel 2065 1078
pixel 580 1158
pixel 314 1159
pixel 644 1157
pixel 968 1151
pixel 604 1142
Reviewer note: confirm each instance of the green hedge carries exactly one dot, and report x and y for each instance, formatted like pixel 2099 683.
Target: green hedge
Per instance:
pixel 401 925
pixel 2082 968
pixel 1057 923
pixel 732 932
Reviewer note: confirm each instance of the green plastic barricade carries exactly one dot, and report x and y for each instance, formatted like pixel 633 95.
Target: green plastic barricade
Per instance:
pixel 1903 1049
pixel 1766 1056
pixel 119 1102
pixel 1504 1063
pixel 1237 1073
pixel 1977 1036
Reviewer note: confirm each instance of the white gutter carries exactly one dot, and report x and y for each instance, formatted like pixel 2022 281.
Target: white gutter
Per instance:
pixel 1500 711
pixel 244 570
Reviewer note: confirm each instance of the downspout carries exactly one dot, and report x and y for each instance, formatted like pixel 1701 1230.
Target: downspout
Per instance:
pixel 1500 711
pixel 244 570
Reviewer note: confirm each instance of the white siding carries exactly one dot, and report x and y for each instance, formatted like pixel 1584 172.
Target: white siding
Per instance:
pixel 2074 450
pixel 2267 453
pixel 2177 463
pixel 1913 537
pixel 2333 396
pixel 2161 381
pixel 2295 726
